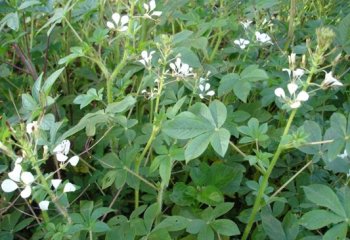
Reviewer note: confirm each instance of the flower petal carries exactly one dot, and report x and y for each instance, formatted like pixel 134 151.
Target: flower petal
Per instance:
pixel 157 13
pixel 279 92
pixel 27 178
pixel 63 147
pixel 295 104
pixel 44 205
pixel 292 87
pixel 124 20
pixel 27 191
pixel 302 96
pixel 146 7
pixel 15 174
pixel 19 160
pixel 61 157
pixel 69 187
pixel 55 183
pixel 110 25
pixel 74 160
pixel 116 18
pixel 152 5
pixel 210 93
pixel 8 185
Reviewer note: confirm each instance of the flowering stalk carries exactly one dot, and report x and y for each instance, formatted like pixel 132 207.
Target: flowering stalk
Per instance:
pixel 122 63
pixel 258 201
pixel 46 186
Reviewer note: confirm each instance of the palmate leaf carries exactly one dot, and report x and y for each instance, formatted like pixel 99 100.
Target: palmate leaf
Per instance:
pixel 325 197
pixel 202 125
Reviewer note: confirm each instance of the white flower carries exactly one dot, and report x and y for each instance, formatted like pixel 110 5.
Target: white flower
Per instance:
pixel 262 37
pixel 181 69
pixel 17 176
pixel 204 88
pixel 69 187
pixel 44 205
pixel 294 75
pixel 32 127
pixel 242 43
pixel 120 23
pixel 246 24
pixel 149 7
pixel 63 147
pixel 146 58
pixel 330 81
pixel 55 183
pixel 295 100
pixel 62 150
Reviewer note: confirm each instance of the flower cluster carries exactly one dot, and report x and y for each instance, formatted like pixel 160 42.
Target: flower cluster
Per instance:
pixel 19 179
pixel 151 93
pixel 204 88
pixel 149 7
pixel 262 37
pixel 295 99
pixel 246 24
pixel 330 81
pixel 120 23
pixel 294 75
pixel 146 58
pixel 61 151
pixel 242 43
pixel 181 69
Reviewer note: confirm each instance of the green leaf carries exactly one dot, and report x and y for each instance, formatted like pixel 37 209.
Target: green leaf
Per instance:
pixel 11 20
pixel 173 223
pixel 122 106
pixel 51 80
pixel 252 74
pixel 99 227
pixel 197 146
pixel 206 233
pixel 225 227
pixel 186 125
pixel 325 197
pixel 242 89
pixel 210 195
pixel 99 212
pixel 195 225
pixel 150 215
pixel 221 209
pixel 85 99
pixel 319 218
pixel 220 140
pixel 108 179
pixel 188 56
pixel 165 170
pixel 273 228
pixel 28 3
pixel 86 208
pixel 218 112
pixel 227 83
pixel 338 232
pixel 181 36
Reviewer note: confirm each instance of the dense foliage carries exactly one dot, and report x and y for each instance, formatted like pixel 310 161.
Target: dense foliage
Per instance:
pixel 186 119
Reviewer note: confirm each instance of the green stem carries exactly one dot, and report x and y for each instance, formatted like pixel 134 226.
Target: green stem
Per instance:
pixel 257 204
pixel 154 133
pixel 53 197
